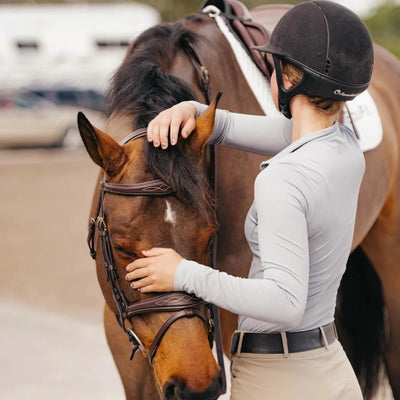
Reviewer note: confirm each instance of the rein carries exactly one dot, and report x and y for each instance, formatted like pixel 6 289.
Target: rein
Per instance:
pixel 204 80
pixel 184 305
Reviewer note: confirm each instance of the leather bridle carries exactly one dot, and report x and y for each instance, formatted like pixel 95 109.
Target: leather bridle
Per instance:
pixel 182 304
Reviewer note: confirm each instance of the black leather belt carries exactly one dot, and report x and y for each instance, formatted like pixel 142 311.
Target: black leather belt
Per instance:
pixel 281 343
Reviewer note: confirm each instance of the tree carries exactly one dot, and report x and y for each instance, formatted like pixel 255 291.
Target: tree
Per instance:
pixel 384 26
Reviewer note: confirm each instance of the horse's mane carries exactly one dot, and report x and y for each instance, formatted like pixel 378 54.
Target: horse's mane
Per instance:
pixel 142 87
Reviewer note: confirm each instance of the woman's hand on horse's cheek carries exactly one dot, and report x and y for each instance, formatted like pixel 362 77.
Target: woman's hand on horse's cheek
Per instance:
pixel 137 269
pixel 137 264
pixel 155 272
pixel 154 283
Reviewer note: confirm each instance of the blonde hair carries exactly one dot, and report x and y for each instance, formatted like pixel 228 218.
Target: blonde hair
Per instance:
pixel 327 106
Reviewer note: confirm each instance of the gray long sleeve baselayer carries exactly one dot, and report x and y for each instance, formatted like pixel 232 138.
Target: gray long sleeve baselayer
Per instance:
pixel 299 227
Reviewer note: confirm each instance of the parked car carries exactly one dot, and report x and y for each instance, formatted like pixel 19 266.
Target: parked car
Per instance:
pixel 86 98
pixel 29 120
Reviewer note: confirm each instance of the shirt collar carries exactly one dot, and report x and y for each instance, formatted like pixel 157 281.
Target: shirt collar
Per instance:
pixel 299 143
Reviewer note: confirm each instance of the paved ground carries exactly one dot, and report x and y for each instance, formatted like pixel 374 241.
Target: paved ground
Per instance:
pixel 53 346
pixel 52 342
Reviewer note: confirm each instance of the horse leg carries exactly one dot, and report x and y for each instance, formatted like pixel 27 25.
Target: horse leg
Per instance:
pixel 381 243
pixel 360 319
pixel 383 249
pixel 385 254
pixel 136 375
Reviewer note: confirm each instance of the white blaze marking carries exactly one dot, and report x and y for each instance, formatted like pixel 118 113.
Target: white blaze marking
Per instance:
pixel 170 215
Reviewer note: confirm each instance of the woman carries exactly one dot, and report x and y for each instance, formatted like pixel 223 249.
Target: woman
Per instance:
pixel 300 226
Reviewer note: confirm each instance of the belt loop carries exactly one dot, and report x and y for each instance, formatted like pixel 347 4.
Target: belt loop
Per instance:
pixel 285 344
pixel 239 347
pixel 321 328
pixel 335 330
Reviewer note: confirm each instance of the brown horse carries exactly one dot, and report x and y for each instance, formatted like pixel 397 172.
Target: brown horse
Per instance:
pixel 160 70
pixel 134 212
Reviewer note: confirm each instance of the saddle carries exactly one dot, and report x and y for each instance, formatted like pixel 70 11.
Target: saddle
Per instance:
pixel 249 32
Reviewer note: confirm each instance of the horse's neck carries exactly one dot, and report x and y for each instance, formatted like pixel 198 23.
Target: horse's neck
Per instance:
pixel 225 74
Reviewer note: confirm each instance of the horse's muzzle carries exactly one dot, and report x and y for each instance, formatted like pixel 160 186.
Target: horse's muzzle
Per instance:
pixel 177 389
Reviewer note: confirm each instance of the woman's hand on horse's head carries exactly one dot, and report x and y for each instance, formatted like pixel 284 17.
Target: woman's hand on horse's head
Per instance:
pixel 165 128
pixel 155 272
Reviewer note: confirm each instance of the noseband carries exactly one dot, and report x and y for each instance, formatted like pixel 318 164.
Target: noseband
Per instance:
pixel 183 304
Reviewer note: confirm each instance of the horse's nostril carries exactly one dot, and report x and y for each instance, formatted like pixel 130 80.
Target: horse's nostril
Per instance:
pixel 170 390
pixel 177 389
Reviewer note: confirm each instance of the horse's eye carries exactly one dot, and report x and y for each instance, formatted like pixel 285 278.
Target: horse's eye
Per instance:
pixel 125 251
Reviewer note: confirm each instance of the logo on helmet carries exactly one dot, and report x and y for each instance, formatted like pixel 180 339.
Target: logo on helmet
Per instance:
pixel 338 92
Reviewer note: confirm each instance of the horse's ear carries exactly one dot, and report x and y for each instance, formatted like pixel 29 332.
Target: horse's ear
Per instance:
pixel 103 149
pixel 204 126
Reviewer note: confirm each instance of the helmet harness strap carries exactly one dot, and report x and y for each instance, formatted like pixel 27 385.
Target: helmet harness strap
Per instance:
pixel 285 95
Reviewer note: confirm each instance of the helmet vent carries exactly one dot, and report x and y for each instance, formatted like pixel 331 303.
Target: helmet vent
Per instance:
pixel 327 65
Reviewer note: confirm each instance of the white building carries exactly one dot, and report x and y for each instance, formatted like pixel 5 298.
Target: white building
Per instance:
pixel 68 44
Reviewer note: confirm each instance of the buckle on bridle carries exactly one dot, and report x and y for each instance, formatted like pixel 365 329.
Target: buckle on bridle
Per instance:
pixel 136 343
pixel 211 329
pixel 101 224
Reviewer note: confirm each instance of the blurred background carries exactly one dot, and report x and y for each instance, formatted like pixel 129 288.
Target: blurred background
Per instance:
pixel 56 57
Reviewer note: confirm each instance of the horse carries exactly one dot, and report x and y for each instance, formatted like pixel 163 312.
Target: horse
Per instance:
pixel 135 211
pixel 189 59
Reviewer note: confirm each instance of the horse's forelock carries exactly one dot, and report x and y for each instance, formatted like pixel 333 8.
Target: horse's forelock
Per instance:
pixel 185 175
pixel 142 87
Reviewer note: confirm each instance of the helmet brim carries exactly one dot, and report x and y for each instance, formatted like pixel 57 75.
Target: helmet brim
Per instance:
pixel 269 48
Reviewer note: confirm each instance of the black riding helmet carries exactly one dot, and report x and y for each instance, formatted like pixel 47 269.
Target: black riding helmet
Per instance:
pixel 330 44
